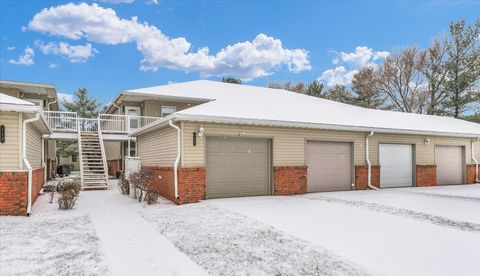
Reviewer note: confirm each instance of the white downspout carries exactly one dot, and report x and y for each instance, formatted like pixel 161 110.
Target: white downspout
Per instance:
pixel 475 160
pixel 177 160
pixel 44 164
pixel 367 157
pixel 25 161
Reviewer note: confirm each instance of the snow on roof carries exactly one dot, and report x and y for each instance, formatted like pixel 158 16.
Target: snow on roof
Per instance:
pixel 260 105
pixel 6 99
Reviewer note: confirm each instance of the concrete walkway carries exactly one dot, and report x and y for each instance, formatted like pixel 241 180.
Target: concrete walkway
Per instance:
pixel 130 244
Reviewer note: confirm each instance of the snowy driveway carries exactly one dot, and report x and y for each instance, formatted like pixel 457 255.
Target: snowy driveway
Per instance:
pixel 418 231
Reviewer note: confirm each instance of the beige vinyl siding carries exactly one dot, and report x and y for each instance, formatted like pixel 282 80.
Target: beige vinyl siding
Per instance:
pixel 34 146
pixel 113 150
pixel 425 153
pixel 158 147
pixel 477 150
pixel 10 156
pixel 289 144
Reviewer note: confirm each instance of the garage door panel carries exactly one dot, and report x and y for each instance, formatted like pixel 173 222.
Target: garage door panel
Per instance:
pixel 237 167
pixel 396 165
pixel 450 165
pixel 329 166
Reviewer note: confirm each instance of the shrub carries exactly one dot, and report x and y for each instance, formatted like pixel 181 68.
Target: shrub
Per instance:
pixel 124 184
pixel 68 191
pixel 145 191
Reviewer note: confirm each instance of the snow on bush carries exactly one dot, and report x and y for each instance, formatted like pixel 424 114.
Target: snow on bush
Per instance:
pixel 50 246
pixel 145 190
pixel 68 191
pixel 226 243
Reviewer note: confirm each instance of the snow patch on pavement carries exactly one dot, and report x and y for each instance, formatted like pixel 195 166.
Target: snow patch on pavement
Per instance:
pixel 227 243
pixel 50 246
pixel 438 220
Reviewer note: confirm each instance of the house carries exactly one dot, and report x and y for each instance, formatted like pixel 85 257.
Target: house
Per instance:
pixel 25 156
pixel 228 140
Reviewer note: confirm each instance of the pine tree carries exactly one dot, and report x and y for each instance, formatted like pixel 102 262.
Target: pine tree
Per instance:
pixel 463 67
pixel 83 104
pixel 364 86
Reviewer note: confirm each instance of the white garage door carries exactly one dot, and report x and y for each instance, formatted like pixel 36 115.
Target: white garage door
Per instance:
pixel 449 161
pixel 329 166
pixel 396 165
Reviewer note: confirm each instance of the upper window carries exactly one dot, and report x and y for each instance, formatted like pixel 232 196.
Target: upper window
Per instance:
pixel 167 110
pixel 37 102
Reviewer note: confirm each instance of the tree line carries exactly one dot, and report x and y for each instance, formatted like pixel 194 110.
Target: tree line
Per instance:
pixel 441 80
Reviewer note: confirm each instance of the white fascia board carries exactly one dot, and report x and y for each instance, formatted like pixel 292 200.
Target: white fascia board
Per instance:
pixel 302 125
pixel 19 108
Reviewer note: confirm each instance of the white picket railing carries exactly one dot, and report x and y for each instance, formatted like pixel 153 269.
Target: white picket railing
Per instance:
pixel 62 120
pixel 108 123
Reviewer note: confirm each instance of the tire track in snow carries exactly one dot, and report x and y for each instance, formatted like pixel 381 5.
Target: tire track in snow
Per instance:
pixel 381 208
pixel 454 197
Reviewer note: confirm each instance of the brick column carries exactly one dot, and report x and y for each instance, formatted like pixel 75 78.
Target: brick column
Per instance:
pixel 361 176
pixel 426 175
pixel 471 173
pixel 191 183
pixel 13 193
pixel 290 180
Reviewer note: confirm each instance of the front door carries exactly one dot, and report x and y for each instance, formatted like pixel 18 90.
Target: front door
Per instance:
pixel 134 112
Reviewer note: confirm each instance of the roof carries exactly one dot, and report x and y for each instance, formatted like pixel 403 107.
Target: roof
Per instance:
pixel 243 104
pixel 9 103
pixel 32 88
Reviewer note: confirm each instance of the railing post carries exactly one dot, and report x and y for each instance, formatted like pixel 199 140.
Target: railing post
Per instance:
pixel 128 123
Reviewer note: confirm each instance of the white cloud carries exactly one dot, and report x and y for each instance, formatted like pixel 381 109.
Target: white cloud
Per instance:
pixel 117 1
pixel 65 97
pixel 52 66
pixel 10 48
pixel 26 58
pixel 74 53
pixel 347 64
pixel 248 60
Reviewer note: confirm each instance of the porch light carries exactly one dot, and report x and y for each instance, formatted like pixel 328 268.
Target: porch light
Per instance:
pixel 427 141
pixel 200 131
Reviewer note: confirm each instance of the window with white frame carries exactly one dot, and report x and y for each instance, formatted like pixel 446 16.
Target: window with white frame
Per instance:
pixel 37 102
pixel 167 110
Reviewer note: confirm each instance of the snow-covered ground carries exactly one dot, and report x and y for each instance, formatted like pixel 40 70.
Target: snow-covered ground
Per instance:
pixel 418 231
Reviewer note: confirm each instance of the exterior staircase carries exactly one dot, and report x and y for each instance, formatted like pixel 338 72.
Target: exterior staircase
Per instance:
pixel 93 167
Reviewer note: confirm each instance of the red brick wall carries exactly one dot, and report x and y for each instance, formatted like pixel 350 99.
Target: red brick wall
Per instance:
pixel 471 173
pixel 38 181
pixel 426 175
pixel 290 180
pixel 14 188
pixel 361 176
pixel 114 166
pixel 191 183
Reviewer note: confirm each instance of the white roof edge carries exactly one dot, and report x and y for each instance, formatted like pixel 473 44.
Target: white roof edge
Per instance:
pixel 19 108
pixel 271 123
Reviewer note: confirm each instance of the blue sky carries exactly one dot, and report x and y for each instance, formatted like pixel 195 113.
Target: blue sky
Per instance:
pixel 97 44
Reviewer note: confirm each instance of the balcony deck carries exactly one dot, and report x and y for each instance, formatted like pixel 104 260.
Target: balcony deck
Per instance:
pixel 66 125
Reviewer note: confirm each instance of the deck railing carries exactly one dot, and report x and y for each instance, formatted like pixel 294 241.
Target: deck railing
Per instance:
pixel 63 121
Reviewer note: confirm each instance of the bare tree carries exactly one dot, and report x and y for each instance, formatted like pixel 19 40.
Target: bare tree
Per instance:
pixel 435 72
pixel 288 85
pixel 365 87
pixel 401 81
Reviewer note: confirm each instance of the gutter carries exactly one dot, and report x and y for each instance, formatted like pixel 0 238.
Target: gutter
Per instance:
pixel 475 160
pixel 304 125
pixel 367 157
pixel 177 160
pixel 25 161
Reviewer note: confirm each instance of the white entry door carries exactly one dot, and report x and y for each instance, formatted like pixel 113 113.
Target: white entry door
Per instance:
pixel 133 111
pixel 396 165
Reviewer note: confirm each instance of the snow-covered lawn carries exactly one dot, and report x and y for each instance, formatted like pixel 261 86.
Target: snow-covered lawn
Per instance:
pixel 64 245
pixel 417 231
pixel 226 243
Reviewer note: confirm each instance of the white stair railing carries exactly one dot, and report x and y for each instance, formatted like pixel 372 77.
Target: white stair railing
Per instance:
pixel 80 155
pixel 102 149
